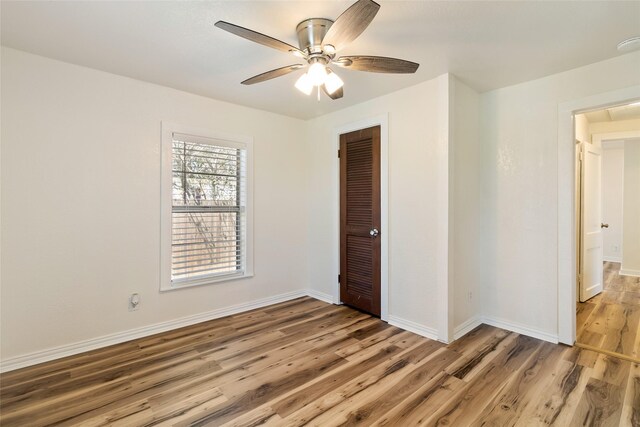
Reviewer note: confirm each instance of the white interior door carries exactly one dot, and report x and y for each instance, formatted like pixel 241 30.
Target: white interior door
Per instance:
pixel 591 251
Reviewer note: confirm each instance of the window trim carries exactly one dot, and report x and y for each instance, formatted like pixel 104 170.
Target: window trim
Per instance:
pixel 239 141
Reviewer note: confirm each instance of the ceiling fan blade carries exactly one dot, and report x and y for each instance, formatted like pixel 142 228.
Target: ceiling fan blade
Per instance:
pixel 351 23
pixel 272 74
pixel 339 93
pixel 260 38
pixel 377 64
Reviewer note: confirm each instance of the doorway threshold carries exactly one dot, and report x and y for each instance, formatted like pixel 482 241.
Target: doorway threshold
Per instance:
pixel 607 352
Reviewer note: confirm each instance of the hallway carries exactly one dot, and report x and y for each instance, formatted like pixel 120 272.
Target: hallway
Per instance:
pixel 609 321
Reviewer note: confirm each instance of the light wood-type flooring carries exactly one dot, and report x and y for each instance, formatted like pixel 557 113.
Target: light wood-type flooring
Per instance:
pixel 305 362
pixel 610 321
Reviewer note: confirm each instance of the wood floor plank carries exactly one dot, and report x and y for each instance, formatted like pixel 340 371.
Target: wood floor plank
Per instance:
pixel 129 350
pixel 263 416
pixel 305 362
pixel 316 390
pixel 364 341
pixel 348 411
pixel 613 316
pixel 425 370
pixel 314 411
pixel 299 397
pixel 253 390
pixel 612 370
pixel 600 405
pixel 636 347
pixel 466 368
pixel 583 312
pixel 472 399
pixel 420 405
pixel 581 356
pixel 475 339
pixel 631 407
pixel 560 400
pixel 523 388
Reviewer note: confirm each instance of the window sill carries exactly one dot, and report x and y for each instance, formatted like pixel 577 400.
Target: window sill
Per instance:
pixel 203 282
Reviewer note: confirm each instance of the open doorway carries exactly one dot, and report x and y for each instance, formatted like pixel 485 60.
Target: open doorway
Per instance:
pixel 607 201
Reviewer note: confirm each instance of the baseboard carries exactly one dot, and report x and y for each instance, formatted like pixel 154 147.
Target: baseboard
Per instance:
pixel 120 337
pixel 466 327
pixel 612 259
pixel 628 272
pixel 320 296
pixel 520 329
pixel 414 327
pixel 471 324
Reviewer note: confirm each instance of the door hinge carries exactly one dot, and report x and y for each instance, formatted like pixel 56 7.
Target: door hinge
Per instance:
pixel 338 278
pixel 338 153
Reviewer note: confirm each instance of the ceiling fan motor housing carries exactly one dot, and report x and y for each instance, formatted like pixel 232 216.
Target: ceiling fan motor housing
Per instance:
pixel 319 39
pixel 311 32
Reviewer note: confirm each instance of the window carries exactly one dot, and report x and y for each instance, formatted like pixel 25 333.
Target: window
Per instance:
pixel 206 233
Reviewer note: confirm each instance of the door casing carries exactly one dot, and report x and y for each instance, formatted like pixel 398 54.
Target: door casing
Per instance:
pixel 382 121
pixel 355 235
pixel 566 237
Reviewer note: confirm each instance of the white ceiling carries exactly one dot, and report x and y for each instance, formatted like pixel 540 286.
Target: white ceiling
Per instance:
pixel 622 112
pixel 486 44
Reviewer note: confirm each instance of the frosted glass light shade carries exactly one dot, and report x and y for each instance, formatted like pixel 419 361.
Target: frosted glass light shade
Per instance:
pixel 317 73
pixel 332 83
pixel 304 84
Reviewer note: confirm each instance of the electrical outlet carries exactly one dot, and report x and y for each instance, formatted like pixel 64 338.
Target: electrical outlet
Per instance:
pixel 134 302
pixel 470 296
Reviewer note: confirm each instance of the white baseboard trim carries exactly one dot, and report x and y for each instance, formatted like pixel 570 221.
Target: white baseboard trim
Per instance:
pixel 520 329
pixel 628 272
pixel 466 327
pixel 612 259
pixel 120 337
pixel 320 295
pixel 414 327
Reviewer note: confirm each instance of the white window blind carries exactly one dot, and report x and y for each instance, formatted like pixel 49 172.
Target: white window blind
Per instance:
pixel 208 208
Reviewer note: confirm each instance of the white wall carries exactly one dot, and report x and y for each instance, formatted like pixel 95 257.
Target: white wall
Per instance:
pixel 519 128
pixel 631 214
pixel 414 119
pixel 612 186
pixel 79 144
pixel 615 126
pixel 613 135
pixel 81 196
pixel 582 128
pixel 466 263
pixel 434 203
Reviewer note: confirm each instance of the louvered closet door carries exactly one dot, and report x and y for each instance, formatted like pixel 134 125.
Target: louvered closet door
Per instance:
pixel 360 219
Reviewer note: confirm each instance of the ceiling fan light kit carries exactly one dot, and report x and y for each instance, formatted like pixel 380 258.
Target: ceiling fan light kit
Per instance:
pixel 317 73
pixel 304 84
pixel 319 40
pixel 332 83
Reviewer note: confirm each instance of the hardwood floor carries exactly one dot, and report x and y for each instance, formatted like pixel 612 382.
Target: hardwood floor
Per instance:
pixel 610 321
pixel 305 362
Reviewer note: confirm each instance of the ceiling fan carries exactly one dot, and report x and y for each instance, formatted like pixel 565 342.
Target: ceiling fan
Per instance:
pixel 320 39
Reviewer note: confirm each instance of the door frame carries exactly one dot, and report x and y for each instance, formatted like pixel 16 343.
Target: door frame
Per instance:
pixel 566 237
pixel 602 139
pixel 581 251
pixel 382 121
